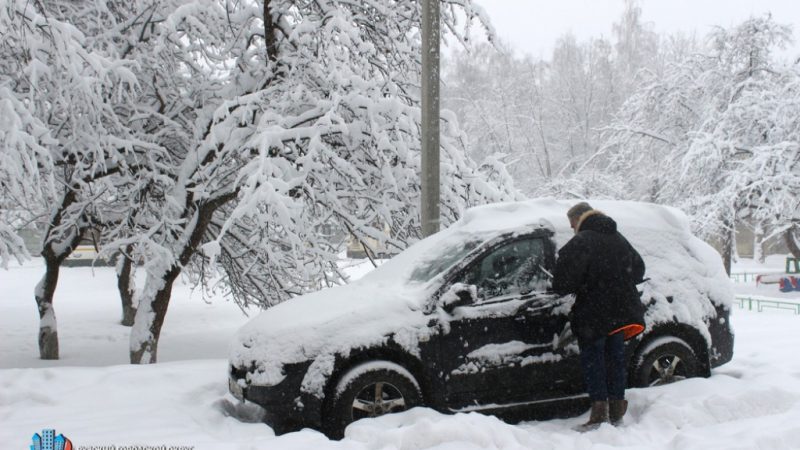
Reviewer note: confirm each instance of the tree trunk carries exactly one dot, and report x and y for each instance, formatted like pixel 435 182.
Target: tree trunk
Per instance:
pixel 758 244
pixel 728 247
pixel 155 296
pixel 149 319
pixel 48 331
pixel 125 287
pixel 54 253
pixel 792 237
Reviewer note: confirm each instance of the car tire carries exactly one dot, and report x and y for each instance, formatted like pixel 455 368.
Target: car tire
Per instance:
pixel 663 361
pixel 370 389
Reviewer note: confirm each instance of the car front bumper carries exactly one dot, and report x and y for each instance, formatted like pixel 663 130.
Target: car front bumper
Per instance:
pixel 286 408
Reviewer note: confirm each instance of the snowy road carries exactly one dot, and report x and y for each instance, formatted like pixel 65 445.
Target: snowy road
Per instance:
pixel 95 399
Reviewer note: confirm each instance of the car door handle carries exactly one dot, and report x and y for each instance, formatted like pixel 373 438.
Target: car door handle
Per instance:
pixel 537 308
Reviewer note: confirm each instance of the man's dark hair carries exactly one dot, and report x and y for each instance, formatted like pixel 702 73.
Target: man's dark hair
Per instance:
pixel 578 210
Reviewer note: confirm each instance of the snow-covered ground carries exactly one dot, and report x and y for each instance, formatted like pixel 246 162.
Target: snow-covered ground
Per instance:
pixel 93 397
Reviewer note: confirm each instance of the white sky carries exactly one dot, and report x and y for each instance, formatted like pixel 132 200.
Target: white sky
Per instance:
pixel 532 26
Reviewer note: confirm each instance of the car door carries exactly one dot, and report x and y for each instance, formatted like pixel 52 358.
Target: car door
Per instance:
pixel 504 347
pixel 551 368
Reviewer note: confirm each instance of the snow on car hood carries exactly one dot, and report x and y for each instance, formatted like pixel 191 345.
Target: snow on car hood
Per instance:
pixel 686 281
pixel 327 322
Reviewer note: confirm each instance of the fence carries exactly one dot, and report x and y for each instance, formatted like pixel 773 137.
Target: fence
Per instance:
pixel 742 277
pixel 750 301
pixel 792 267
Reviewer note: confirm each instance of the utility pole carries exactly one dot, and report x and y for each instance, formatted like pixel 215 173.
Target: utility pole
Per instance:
pixel 430 117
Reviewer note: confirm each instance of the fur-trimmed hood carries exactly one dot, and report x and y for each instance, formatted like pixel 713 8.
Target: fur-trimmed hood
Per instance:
pixel 595 220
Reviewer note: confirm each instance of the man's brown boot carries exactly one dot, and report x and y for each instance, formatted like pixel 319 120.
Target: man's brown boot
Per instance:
pixel 616 410
pixel 597 416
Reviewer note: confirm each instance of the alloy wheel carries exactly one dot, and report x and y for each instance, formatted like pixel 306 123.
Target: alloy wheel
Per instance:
pixel 667 369
pixel 376 399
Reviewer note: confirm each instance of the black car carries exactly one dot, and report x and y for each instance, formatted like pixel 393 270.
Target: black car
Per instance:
pixel 465 321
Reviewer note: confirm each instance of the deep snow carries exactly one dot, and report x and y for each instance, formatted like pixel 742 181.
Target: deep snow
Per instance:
pixel 93 397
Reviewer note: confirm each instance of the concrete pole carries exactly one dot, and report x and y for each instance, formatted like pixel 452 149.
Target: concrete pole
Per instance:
pixel 430 117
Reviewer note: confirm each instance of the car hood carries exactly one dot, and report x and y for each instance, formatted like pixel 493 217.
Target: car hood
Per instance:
pixel 325 323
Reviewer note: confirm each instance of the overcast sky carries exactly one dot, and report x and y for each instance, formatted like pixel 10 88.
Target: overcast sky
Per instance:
pixel 533 26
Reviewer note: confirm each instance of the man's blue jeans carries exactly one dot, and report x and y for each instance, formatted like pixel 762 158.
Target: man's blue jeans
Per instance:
pixel 604 371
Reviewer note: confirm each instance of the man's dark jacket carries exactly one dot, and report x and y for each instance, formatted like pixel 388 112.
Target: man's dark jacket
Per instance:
pixel 602 269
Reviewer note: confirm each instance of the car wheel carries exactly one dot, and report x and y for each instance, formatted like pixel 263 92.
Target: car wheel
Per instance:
pixel 370 389
pixel 665 361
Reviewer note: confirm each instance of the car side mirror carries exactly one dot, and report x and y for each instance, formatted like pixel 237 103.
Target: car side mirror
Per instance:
pixel 459 294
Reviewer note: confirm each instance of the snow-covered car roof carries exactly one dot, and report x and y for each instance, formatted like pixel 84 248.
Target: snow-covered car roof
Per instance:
pixel 684 273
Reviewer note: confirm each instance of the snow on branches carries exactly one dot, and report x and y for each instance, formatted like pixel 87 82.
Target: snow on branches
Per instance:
pixel 717 133
pixel 316 126
pixel 202 135
pixel 23 155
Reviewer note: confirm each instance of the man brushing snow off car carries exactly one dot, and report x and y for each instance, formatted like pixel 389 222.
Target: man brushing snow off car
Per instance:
pixel 602 269
pixel 466 320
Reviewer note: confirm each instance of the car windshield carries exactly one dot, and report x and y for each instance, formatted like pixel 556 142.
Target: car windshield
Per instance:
pixel 424 260
pixel 443 258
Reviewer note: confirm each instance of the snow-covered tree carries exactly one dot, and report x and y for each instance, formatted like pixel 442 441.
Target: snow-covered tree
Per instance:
pixel 25 164
pixel 546 117
pixel 717 134
pixel 742 158
pixel 243 127
pixel 636 47
pixel 497 97
pixel 768 175
pixel 792 237
pixel 318 123
pixel 181 64
pixel 67 96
